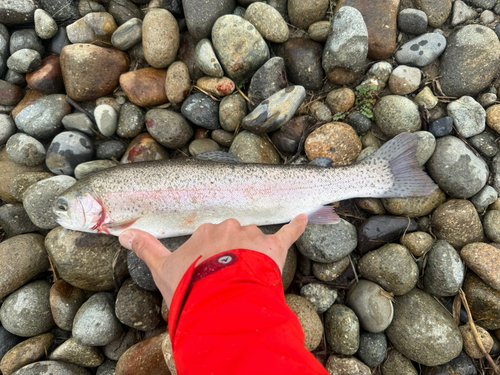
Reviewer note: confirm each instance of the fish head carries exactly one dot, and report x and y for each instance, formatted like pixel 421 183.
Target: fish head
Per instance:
pixel 79 210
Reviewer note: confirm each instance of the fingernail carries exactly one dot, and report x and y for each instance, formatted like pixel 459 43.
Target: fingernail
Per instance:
pixel 126 239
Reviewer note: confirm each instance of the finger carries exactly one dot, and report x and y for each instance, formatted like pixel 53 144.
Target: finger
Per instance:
pixel 290 232
pixel 145 245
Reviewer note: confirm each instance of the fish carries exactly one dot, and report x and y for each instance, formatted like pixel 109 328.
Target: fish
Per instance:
pixel 169 198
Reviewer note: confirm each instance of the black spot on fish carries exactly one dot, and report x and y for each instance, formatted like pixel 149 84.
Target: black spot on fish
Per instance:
pixel 415 47
pixel 423 42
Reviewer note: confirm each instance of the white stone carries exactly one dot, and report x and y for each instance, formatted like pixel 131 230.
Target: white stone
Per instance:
pixel 106 119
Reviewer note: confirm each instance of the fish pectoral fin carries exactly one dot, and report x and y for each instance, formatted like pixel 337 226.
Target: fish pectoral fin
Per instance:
pixel 118 226
pixel 323 215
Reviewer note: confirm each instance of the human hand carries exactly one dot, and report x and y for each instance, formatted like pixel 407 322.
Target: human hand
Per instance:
pixel 209 239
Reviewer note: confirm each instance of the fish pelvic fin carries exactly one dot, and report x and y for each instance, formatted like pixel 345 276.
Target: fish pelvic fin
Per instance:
pixel 323 215
pixel 402 169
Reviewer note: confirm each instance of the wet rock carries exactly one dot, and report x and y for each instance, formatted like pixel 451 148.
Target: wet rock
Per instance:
pixel 60 10
pixel 201 17
pixel 26 39
pixel 470 345
pixel 484 302
pixel 372 205
pixel 268 21
pixel 207 60
pixel 201 110
pixel 308 318
pixel 87 260
pixel 254 148
pixel 330 271
pixel 160 38
pixel 346 47
pixel 127 35
pixel 79 354
pixel 252 52
pixel 414 207
pixel 456 169
pixel 397 364
pixel 52 368
pixel 319 295
pixel 14 220
pixel 90 72
pixel 65 300
pixel 372 348
pixel 67 150
pixel 318 31
pixel 338 365
pixel 468 116
pixel 145 356
pixel 143 148
pixel 468 63
pixel 267 80
pixel 422 50
pixel 130 121
pixel 423 330
pixel 342 329
pixel 412 21
pixel 404 80
pixel 417 242
pixel 145 87
pixel 178 82
pixel 484 260
pixel 396 114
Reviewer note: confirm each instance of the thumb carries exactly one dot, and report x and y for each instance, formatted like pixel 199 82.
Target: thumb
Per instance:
pixel 145 245
pixel 290 232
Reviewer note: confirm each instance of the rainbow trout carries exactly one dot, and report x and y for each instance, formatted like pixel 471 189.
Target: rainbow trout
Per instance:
pixel 170 198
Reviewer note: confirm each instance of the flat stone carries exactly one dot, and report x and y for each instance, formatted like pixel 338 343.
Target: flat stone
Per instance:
pixel 124 10
pixel 462 13
pixel 160 38
pixel 201 17
pixel 396 114
pixel 127 35
pixel 60 10
pixel 79 354
pixel 216 86
pixel 51 368
pixel 422 50
pixel 342 329
pixel 268 21
pixel 339 364
pixel 308 318
pixel 178 82
pixel 80 122
pixel 207 60
pixel 18 12
pixel 145 87
pixel 318 31
pixel 303 13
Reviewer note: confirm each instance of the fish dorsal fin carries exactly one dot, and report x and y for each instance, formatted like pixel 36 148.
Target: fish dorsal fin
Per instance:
pixel 323 215
pixel 219 156
pixel 322 161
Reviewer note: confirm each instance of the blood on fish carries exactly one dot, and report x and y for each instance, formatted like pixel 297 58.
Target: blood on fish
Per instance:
pixel 99 226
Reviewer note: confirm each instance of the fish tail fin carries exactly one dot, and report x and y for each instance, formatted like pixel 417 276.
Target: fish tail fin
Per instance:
pixel 400 169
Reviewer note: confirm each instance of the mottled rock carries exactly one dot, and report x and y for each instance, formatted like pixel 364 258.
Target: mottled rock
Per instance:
pixel 201 110
pixel 470 345
pixel 303 13
pixel 318 31
pixel 415 206
pixel 340 100
pixel 65 300
pixel 79 354
pixel 95 28
pixel 422 50
pixel 130 121
pixel 461 13
pixel 143 148
pixel 484 302
pixel 10 94
pixel 216 86
pixel 396 114
pixel 113 149
pixel 267 80
pixel 178 82
pixel 339 365
pixel 468 116
pixel 319 295
pixel 124 10
pixel 168 128
pixel 80 122
pixel 67 150
pixel 45 26
pixel 268 21
pixel 417 242
pixel 308 318
pixel 23 149
pixel 426 98
pixel 127 35
pixel 254 148
pixel 59 41
pixel 24 61
pixel 372 348
pixel 160 37
pixel 207 60
pixel 484 260
pixel 397 364
pixel 404 80
pixel 287 138
pixel 47 79
pixel 486 196
pixel 342 329
pixel 330 271
pixel 145 87
pixel 437 12
pixel 120 345
pixel 26 352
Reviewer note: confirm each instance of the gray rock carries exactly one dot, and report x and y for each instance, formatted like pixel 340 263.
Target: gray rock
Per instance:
pixel 59 41
pixel 303 13
pixel 201 145
pixel 124 10
pixel 168 128
pixel 486 196
pixel 113 149
pixel 397 364
pixel 67 150
pixel 485 143
pixel 43 118
pixel 404 80
pixel 14 220
pixel 468 116
pixel 372 305
pixel 462 365
pixel 89 6
pixel 65 300
pixel 206 59
pixel 201 17
pixel 24 61
pixel 160 38
pixel 319 295
pixel 45 26
pixel 330 271
pixel 82 170
pixel 308 318
pixel 10 93
pixel 396 114
pixel 240 47
pixel 254 148
pixel 346 48
pixel 51 368
pixel 201 110
pixel 7 341
pixel 79 354
pixel 106 119
pixel 456 169
pixel 372 348
pixel 17 12
pixel 485 4
pixel 232 110
pixel 26 39
pixel 118 346
pixel 328 243
pixel 7 128
pixel 462 13
pixel 39 198
pixel 4 48
pixel 268 21
pixel 425 146
pixel 23 149
pixel 342 329
pixel 140 272
pixel 107 368
pixel 441 127
pixel 469 62
pixel 15 78
pixel 61 10
pixel 422 50
pixel 79 121
pixel 423 330
pixel 130 121
pixel 491 225
pixel 412 21
pixel 487 17
pixel 26 312
pixel 127 35
pixel 444 271
pixel 95 322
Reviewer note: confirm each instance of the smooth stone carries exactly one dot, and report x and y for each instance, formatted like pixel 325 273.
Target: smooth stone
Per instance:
pixel 426 98
pixel 396 114
pixel 138 308
pixel 303 13
pixel 23 149
pixel 47 79
pixel 468 116
pixel 251 53
pixel 289 269
pixel 26 312
pixel 444 271
pixel 30 97
pixel 437 12
pixel 140 272
pixel 51 368
pixel 206 59
pixel 418 243
pixel 268 22
pixel 269 79
pixel 45 26
pixel 201 110
pixel 232 110
pixel 83 170
pixel 216 86
pixel 372 348
pixel 461 13
pixel 328 243
pixel 143 148
pixel 346 48
pixel 201 17
pixel 7 341
pixel 14 220
pixel 372 205
pixel 254 148
pixel 80 122
pixel 107 368
pixel 462 365
pixel 415 206
pixel 222 137
pixel 422 50
pixel 120 345
pixel 87 260
pixel 303 62
pixel 320 296
pixel 95 322
pixel 65 300
pixel 485 143
pixel 372 305
pixel 404 80
pixel 202 145
pixel 124 10
pixel 342 329
pixel 21 181
pixel 275 111
pixel 4 48
pixel 423 330
pixel 340 100
pixel 113 149
pixel 471 347
pixel 321 112
pixel 169 128
pixel 381 229
pixel 493 117
pixel 24 61
pixel 79 354
pixel 392 267
pixel 487 17
pixel 59 41
pixel 160 37
pixel 484 260
pixel 318 31
pixel 485 4
pixel 67 150
pixel 339 365
pixel 7 128
pixel 145 87
pixel 412 21
pixel 90 72
pixel 486 196
pixel 25 353
pixel 10 94
pixel 288 137
pixel 130 121
pixel 19 12
pixel 60 10
pixel 456 169
pixel 127 35
pixel 484 302
pixel 308 318
pixel 106 119
pixel 85 7
pixel 168 355
pixel 487 99
pixel 441 127
pixel 468 63
pixel 330 271
pixel 25 39
pixel 186 54
pixel 95 28
pixel 397 364
pixel 491 225
pixel 178 82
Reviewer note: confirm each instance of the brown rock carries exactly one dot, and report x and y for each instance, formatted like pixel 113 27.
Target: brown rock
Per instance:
pixel 381 21
pixel 457 222
pixel 95 28
pixel 65 300
pixel 417 242
pixel 232 110
pixel 335 140
pixel 160 37
pixel 10 94
pixel 343 365
pixel 47 79
pixel 90 72
pixel 26 352
pixel 79 354
pixel 330 271
pixel 145 87
pixel 145 357
pixel 484 302
pixel 24 180
pixel 318 31
pixel 340 100
pixel 470 345
pixel 437 11
pixel 415 206
pixel 30 97
pixel 144 148
pixel 372 205
pixel 177 82
pixel 493 117
pixel 308 318
pixel 216 86
pixel 484 260
pixel 303 13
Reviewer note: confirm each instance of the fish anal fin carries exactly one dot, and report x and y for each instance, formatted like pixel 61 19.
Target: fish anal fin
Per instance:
pixel 323 215
pixel 120 226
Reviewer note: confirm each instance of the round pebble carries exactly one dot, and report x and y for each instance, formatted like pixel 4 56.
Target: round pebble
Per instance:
pixel 254 148
pixel 26 150
pixel 422 50
pixel 417 242
pixel 232 110
pixel 268 21
pixel 404 80
pixel 308 318
pixel 7 128
pixel 106 119
pixel 330 271
pixel 203 145
pixel 372 348
pixel 412 21
pixel 169 128
pixel 67 150
pixel 484 260
pixel 45 26
pixel 24 60
pixel 201 110
pixel 342 329
pixel 319 295
pixel 396 114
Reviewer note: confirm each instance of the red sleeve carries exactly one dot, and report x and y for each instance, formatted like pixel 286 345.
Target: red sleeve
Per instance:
pixel 229 316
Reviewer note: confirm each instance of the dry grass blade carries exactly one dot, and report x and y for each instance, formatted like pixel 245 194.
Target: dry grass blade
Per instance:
pixel 80 108
pixel 53 269
pixel 457 305
pixel 207 93
pixel 354 269
pixel 244 96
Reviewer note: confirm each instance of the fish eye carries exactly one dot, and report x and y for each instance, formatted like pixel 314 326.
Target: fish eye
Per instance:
pixel 62 204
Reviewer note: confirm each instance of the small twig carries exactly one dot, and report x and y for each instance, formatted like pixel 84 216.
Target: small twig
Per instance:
pixel 457 305
pixel 244 96
pixel 53 269
pixel 353 269
pixel 81 109
pixel 207 93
